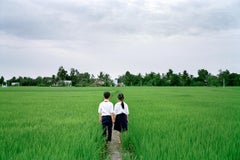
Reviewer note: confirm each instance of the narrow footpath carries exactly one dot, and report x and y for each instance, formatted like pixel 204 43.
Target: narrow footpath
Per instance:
pixel 114 147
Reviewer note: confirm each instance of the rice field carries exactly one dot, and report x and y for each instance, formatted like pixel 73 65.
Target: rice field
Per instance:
pixel 164 123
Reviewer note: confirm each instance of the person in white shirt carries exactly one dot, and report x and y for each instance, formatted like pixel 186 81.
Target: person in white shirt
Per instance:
pixel 121 115
pixel 106 118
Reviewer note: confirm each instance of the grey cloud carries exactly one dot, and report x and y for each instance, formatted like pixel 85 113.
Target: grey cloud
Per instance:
pixel 24 19
pixel 68 20
pixel 208 16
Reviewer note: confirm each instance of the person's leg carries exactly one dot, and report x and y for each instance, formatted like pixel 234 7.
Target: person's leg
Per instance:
pixel 117 124
pixel 117 127
pixel 124 124
pixel 104 126
pixel 104 130
pixel 119 137
pixel 109 130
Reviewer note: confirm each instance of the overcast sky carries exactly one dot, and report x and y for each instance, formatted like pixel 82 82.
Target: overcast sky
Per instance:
pixel 115 36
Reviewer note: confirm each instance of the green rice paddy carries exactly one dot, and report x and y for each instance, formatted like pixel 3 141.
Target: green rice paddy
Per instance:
pixel 164 123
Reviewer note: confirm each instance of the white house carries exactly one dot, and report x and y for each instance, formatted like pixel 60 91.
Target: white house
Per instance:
pixel 4 86
pixel 15 84
pixel 67 83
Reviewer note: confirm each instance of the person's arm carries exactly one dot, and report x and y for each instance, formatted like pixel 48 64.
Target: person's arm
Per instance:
pixel 100 113
pixel 100 118
pixel 127 112
pixel 112 115
pixel 113 118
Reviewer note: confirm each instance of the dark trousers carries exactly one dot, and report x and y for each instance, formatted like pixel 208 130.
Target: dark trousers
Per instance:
pixel 107 126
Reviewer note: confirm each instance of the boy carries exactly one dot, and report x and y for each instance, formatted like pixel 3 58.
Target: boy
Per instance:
pixel 105 111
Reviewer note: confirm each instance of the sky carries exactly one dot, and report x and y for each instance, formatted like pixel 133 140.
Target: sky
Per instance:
pixel 115 36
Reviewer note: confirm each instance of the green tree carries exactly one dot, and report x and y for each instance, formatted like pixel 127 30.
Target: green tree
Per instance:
pixel 164 80
pixel 169 73
pixel 74 76
pixel 171 78
pixel 62 73
pixel 138 80
pixel 186 81
pixel 152 79
pixel 203 77
pixel 175 80
pixel 39 81
pixel 213 80
pixel 223 77
pixel 1 80
pixel 234 79
pixel 105 78
pixel 83 79
pixel 9 82
pixel 168 77
pixel 128 79
pixel 47 81
pixel 101 76
pixel 54 80
pixel 23 81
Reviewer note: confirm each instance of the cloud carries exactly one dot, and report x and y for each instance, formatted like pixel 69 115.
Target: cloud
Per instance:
pixel 80 19
pixel 115 36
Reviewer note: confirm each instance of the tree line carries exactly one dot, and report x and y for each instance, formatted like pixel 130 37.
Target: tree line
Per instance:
pixel 204 78
pixel 75 78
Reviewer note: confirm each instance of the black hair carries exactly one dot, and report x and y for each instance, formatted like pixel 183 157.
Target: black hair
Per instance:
pixel 106 95
pixel 121 98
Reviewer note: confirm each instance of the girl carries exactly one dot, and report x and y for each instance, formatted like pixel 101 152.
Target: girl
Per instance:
pixel 121 115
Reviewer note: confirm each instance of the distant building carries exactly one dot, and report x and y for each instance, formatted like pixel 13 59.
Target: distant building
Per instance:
pixel 118 84
pixel 115 82
pixel 4 86
pixel 15 84
pixel 98 83
pixel 121 84
pixel 66 83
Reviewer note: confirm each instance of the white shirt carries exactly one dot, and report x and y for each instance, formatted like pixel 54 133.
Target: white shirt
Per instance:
pixel 118 108
pixel 105 108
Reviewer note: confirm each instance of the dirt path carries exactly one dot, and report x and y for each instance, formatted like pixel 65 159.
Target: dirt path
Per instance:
pixel 114 147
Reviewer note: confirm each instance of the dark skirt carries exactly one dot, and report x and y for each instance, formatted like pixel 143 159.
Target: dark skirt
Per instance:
pixel 121 123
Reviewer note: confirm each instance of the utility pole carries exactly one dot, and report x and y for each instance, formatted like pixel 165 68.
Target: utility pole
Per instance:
pixel 223 82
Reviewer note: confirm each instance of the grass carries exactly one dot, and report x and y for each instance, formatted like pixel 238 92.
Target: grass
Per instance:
pixel 164 123
pixel 49 123
pixel 184 123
